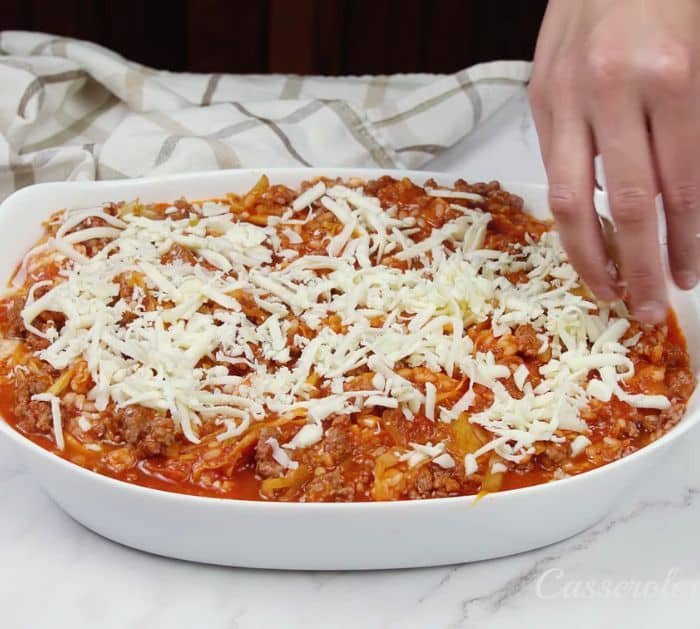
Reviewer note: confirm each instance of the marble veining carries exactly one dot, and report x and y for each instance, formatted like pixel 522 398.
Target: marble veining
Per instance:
pixel 519 584
pixel 55 573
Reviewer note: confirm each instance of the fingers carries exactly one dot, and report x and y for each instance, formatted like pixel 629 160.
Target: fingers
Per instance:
pixel 676 137
pixel 571 183
pixel 541 114
pixel 620 130
pixel 543 123
pixel 621 69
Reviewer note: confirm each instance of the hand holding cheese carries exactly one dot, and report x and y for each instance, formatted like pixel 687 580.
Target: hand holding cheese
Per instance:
pixel 619 78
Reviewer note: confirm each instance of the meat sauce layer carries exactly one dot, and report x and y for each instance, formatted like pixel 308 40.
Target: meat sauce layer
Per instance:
pixel 358 457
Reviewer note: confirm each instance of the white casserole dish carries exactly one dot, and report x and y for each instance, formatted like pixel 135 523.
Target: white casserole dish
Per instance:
pixel 346 536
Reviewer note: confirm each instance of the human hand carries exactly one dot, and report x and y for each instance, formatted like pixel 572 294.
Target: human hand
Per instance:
pixel 621 78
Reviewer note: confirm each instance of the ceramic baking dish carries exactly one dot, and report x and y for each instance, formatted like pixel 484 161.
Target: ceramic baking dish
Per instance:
pixel 315 536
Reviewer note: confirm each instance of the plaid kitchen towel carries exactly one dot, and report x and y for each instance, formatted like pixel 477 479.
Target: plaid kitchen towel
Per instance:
pixel 71 109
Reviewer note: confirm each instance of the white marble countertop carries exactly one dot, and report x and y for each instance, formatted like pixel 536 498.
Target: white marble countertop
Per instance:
pixel 638 568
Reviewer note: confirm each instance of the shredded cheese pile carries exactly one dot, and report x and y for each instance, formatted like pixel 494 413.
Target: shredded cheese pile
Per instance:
pixel 153 357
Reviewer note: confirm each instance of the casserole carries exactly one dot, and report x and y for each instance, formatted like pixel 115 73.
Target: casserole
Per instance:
pixel 373 535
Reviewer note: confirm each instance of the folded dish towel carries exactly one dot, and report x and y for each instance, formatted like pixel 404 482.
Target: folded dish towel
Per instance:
pixel 71 109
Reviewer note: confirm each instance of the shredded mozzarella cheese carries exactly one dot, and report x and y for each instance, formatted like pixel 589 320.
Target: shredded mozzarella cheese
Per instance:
pixel 155 358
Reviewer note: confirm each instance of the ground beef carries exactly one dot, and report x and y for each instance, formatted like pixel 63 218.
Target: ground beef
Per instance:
pixel 33 416
pixel 651 345
pixel 527 341
pixel 36 343
pixel 12 326
pixel 675 356
pixel 626 428
pixel 149 432
pixel 671 416
pixel 557 453
pixel 429 481
pixel 152 432
pixel 338 439
pixel 265 465
pixel 680 383
pixel 329 486
pixel 280 195
pixel 649 421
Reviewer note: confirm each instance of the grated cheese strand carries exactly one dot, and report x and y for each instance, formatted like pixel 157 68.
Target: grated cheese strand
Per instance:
pixel 55 404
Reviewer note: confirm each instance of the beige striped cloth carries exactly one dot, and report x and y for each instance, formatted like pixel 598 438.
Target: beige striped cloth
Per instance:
pixel 71 109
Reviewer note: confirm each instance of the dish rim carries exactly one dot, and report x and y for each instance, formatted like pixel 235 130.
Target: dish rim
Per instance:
pixel 688 421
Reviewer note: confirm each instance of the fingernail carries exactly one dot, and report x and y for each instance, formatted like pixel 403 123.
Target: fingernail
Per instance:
pixel 650 312
pixel 612 271
pixel 686 279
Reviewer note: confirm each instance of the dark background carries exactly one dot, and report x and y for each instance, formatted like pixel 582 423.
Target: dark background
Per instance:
pixel 298 36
